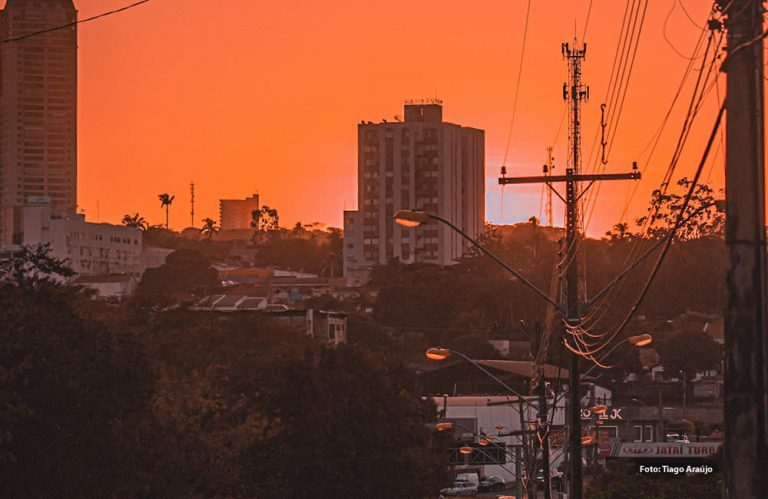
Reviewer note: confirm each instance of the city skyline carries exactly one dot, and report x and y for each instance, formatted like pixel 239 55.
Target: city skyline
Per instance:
pixel 250 121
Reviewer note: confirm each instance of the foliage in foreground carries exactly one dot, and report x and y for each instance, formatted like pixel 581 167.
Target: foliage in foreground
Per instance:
pixel 95 403
pixel 620 480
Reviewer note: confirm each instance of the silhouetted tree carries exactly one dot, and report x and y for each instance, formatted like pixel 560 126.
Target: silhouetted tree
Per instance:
pixel 136 221
pixel 185 272
pixel 704 221
pixel 210 227
pixel 265 219
pixel 165 202
pixel 689 352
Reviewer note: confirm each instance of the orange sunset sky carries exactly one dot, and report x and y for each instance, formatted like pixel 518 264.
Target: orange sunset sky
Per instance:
pixel 251 95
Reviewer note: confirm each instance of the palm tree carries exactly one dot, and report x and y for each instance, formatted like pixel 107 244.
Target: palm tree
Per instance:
pixel 165 201
pixel 135 220
pixel 209 228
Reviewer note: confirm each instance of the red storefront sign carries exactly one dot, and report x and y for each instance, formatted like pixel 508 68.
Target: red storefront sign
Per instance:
pixel 664 450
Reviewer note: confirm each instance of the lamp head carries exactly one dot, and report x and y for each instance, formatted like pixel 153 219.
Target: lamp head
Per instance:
pixel 438 353
pixel 411 218
pixel 598 409
pixel 641 340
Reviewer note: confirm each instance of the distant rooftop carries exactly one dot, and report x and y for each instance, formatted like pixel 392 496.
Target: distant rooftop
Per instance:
pixel 424 102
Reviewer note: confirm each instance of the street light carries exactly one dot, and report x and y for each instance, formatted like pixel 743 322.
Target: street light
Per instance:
pixel 598 409
pixel 486 440
pixel 411 218
pixel 440 353
pixel 641 340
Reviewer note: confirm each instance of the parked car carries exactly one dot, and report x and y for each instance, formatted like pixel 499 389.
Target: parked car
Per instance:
pixel 491 484
pixel 555 478
pixel 460 488
pixel 677 437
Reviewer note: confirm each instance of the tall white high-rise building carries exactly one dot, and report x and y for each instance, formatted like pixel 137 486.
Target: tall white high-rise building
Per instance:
pixel 419 163
pixel 38 111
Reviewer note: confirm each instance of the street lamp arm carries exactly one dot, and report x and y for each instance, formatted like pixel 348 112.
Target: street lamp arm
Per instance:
pixel 496 259
pixel 490 442
pixel 494 377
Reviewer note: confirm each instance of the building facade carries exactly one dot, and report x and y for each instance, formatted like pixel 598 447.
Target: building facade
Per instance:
pixel 90 248
pixel 38 111
pixel 420 163
pixel 237 213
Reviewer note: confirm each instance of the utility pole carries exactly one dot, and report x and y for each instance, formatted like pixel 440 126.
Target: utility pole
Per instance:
pixel 574 92
pixel 746 413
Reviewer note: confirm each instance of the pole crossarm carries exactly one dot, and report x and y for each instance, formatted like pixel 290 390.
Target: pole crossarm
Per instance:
pixel 570 177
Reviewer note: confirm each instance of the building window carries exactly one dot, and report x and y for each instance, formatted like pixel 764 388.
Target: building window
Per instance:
pixel 648 433
pixel 643 433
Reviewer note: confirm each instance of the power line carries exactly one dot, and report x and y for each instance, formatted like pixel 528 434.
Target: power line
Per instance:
pixel 601 309
pixel 664 30
pixel 666 247
pixel 517 86
pixel 74 23
pixel 586 23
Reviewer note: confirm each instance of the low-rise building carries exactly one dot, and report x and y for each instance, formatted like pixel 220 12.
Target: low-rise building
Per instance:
pixel 232 303
pixel 327 326
pixel 90 248
pixel 116 287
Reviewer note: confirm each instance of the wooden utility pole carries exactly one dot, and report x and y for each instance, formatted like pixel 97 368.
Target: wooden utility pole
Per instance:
pixel 746 408
pixel 574 93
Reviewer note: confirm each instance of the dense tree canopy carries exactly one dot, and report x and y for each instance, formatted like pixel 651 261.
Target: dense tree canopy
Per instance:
pixel 184 272
pixel 69 382
pixel 689 351
pixel 184 404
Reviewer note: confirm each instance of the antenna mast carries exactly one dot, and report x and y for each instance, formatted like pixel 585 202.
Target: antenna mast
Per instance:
pixel 192 193
pixel 547 172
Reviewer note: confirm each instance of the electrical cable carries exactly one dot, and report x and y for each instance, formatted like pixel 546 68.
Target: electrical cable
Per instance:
pixel 666 246
pixel 519 78
pixel 602 307
pixel 74 23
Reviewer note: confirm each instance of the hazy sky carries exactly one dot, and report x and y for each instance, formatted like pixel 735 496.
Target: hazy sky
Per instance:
pixel 251 95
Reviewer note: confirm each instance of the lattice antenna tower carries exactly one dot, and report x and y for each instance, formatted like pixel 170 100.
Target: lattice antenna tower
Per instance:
pixel 192 202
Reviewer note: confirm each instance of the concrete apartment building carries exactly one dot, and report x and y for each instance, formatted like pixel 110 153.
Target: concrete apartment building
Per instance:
pixel 237 213
pixel 38 111
pixel 92 249
pixel 420 163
